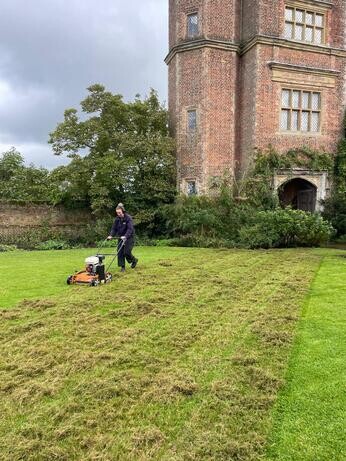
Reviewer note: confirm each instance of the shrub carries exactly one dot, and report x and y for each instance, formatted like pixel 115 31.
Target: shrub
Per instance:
pixel 286 228
pixel 165 243
pixel 341 239
pixel 53 245
pixel 335 211
pixel 4 248
pixel 25 238
pixel 107 243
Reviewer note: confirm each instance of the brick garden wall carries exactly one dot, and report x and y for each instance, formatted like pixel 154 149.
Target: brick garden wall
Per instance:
pixel 37 215
pixel 18 220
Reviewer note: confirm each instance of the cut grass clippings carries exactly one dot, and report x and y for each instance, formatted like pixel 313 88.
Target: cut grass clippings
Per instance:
pixel 181 359
pixel 310 418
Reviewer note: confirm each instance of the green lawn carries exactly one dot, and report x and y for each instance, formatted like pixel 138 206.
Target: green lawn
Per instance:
pixel 310 419
pixel 43 273
pixel 195 355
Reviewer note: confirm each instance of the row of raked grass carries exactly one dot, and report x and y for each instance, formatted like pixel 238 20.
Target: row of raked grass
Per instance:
pixel 192 356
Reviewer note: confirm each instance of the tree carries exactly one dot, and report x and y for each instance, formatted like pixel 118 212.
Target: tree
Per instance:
pixel 19 182
pixel 11 162
pixel 129 153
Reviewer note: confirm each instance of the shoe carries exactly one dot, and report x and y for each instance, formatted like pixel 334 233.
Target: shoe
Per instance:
pixel 134 263
pixel 122 269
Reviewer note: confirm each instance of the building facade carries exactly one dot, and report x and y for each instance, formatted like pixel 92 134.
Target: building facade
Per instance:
pixel 246 74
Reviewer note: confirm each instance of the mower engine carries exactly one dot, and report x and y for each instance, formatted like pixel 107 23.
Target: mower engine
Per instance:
pixel 94 273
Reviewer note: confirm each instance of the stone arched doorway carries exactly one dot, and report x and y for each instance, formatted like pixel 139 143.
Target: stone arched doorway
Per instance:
pixel 298 193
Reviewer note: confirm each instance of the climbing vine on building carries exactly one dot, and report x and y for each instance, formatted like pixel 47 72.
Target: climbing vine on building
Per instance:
pixel 269 160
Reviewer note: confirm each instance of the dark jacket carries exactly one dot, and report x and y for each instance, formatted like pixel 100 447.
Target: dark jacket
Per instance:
pixel 123 227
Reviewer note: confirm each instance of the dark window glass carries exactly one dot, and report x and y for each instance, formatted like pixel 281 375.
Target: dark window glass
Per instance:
pixel 191 188
pixel 192 120
pixel 192 25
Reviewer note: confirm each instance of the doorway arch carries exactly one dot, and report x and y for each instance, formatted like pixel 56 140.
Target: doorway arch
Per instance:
pixel 298 193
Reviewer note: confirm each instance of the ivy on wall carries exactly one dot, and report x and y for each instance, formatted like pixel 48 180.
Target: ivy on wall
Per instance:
pixel 269 160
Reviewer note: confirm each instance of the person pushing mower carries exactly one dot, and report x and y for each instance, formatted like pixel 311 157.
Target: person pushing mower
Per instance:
pixel 123 229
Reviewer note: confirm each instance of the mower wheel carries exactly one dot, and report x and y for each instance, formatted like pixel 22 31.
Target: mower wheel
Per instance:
pixel 94 283
pixel 69 280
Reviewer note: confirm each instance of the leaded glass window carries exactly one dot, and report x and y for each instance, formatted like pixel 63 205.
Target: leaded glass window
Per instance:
pixel 300 111
pixel 191 187
pixel 192 25
pixel 304 25
pixel 192 120
pixel 284 121
pixel 304 123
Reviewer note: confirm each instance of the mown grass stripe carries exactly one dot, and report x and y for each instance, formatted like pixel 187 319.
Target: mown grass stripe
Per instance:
pixel 310 418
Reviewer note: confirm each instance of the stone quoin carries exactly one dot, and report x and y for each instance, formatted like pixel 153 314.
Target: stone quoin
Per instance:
pixel 246 74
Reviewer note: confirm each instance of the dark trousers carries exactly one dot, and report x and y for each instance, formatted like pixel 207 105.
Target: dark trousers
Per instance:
pixel 125 252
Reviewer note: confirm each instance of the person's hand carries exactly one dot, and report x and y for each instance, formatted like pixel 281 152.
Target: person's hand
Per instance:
pixel 109 237
pixel 123 238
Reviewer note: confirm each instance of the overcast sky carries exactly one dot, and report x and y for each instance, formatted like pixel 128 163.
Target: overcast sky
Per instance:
pixel 52 50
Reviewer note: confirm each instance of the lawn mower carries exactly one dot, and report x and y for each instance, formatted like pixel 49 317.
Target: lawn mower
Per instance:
pixel 94 273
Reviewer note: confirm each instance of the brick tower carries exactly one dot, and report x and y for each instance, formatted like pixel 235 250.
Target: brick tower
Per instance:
pixel 245 74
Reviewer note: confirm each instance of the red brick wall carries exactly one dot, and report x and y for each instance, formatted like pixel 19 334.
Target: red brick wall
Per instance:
pixel 247 112
pixel 337 24
pixel 187 71
pixel 221 20
pixel 238 102
pixel 210 150
pixel 268 102
pixel 220 111
pixel 271 17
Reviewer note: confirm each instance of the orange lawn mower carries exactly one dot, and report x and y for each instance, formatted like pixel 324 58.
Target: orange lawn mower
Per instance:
pixel 94 273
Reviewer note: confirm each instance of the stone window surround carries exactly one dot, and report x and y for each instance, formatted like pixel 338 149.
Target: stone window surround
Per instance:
pixel 305 79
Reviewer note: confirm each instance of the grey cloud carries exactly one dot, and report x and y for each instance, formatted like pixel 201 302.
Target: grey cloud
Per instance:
pixel 50 51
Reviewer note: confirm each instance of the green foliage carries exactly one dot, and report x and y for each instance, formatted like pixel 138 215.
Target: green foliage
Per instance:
pixel 267 161
pixel 129 154
pixel 341 239
pixel 285 228
pixel 245 214
pixel 335 211
pixel 53 245
pixel 107 243
pixel 5 248
pixel 10 163
pixel 30 238
pixel 204 218
pixel 21 183
pixel 335 206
